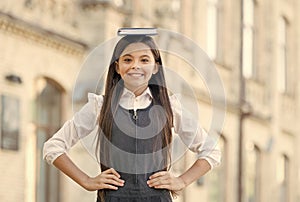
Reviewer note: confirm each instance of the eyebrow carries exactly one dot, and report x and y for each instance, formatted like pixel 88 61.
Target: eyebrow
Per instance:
pixel 132 56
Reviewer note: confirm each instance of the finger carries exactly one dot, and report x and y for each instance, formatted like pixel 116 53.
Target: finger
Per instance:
pixel 161 182
pixel 108 186
pixel 113 171
pixel 158 174
pixel 155 181
pixel 164 186
pixel 111 176
pixel 105 178
pixel 164 177
pixel 158 181
pixel 113 182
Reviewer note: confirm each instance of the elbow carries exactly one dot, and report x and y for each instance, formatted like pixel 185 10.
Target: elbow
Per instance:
pixel 213 159
pixel 46 153
pixel 50 152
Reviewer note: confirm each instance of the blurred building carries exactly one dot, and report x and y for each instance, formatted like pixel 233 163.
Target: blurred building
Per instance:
pixel 254 45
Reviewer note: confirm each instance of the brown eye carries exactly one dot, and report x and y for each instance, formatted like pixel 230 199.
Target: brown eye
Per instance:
pixel 127 60
pixel 145 60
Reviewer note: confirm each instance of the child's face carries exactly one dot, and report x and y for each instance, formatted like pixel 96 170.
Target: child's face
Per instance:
pixel 136 66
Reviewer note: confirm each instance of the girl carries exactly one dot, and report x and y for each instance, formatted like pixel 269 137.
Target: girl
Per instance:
pixel 135 119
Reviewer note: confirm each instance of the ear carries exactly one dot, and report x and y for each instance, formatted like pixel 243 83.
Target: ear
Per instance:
pixel 155 70
pixel 117 67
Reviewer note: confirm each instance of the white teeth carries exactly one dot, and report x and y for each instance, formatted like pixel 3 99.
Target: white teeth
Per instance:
pixel 136 74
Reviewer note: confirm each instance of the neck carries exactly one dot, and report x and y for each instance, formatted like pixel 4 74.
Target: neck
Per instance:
pixel 137 91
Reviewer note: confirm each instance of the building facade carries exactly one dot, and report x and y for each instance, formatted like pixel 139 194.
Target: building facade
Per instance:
pixel 254 45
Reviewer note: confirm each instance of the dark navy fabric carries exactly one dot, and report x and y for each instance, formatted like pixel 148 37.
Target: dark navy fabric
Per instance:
pixel 135 152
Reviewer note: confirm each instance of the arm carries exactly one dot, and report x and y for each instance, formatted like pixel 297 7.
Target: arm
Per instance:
pixel 108 179
pixel 165 180
pixel 198 169
pixel 69 134
pixel 198 141
pixel 82 124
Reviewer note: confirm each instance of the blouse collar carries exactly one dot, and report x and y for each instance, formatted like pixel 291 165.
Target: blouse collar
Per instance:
pixel 130 101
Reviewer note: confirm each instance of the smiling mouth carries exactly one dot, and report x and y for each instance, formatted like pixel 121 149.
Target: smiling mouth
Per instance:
pixel 135 74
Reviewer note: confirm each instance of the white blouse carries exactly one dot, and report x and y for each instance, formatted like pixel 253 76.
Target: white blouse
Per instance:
pixel 86 120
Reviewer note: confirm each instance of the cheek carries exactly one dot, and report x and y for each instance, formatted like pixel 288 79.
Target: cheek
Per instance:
pixel 151 70
pixel 123 69
pixel 122 73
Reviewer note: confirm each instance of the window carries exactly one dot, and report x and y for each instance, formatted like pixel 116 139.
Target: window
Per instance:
pixel 248 39
pixel 10 115
pixel 252 173
pixel 282 174
pixel 282 57
pixel 212 29
pixel 48 121
pixel 216 179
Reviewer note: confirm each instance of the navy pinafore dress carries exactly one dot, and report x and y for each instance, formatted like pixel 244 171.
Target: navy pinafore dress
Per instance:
pixel 135 152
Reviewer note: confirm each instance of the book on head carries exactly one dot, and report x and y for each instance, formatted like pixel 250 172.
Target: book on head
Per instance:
pixel 137 31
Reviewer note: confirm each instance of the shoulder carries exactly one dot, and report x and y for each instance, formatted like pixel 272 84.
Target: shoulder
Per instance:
pixel 175 101
pixel 89 110
pixel 96 99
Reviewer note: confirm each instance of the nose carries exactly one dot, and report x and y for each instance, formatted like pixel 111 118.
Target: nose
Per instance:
pixel 136 65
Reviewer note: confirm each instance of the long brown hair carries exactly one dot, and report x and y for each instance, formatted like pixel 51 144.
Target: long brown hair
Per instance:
pixel 114 88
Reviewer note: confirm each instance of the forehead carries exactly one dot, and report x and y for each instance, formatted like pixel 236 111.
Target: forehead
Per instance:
pixel 137 48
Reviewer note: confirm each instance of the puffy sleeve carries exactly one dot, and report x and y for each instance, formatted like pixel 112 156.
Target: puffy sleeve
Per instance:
pixel 80 125
pixel 193 135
